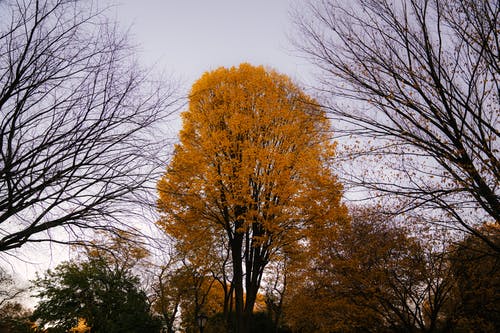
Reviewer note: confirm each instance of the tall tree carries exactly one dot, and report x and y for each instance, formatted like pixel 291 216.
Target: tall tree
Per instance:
pixel 76 116
pixel 253 166
pixel 423 79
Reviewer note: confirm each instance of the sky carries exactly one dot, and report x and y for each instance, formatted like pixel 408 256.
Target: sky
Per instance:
pixel 185 38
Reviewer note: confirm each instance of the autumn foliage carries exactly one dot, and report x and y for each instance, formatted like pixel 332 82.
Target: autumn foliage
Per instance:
pixel 368 275
pixel 253 167
pixel 255 234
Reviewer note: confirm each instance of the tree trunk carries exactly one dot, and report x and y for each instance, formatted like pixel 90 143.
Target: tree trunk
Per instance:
pixel 236 248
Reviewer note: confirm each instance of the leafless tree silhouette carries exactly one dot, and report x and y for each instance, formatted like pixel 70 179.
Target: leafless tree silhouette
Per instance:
pixel 77 122
pixel 8 289
pixel 417 83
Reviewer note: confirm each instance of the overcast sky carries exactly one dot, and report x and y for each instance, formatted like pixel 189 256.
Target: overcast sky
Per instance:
pixel 185 38
pixel 189 37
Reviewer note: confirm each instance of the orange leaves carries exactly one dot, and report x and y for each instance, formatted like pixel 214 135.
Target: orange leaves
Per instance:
pixel 250 139
pixel 253 168
pixel 81 327
pixel 359 274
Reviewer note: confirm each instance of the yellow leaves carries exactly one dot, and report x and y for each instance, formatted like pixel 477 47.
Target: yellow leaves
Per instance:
pixel 245 126
pixel 254 161
pixel 348 268
pixel 81 327
pixel 120 249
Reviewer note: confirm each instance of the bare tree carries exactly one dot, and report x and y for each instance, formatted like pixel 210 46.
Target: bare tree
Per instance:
pixel 416 82
pixel 77 122
pixel 8 289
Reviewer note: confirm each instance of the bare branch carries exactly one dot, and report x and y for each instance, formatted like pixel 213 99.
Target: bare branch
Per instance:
pixel 77 122
pixel 416 83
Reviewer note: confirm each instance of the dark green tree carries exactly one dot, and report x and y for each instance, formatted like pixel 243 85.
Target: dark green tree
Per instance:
pixel 109 299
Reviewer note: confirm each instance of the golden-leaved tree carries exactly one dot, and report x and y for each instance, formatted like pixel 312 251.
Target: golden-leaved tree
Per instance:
pixel 253 166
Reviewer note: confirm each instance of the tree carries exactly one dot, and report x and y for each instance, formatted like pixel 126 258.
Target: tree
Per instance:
pixel 76 121
pixel 14 318
pixel 276 288
pixel 118 250
pixel 13 315
pixel 416 82
pixel 370 275
pixel 9 290
pixel 167 297
pixel 475 305
pixel 184 293
pixel 108 300
pixel 190 284
pixel 253 166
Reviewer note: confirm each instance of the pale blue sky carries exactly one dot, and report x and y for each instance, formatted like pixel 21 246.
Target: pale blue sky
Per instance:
pixel 189 37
